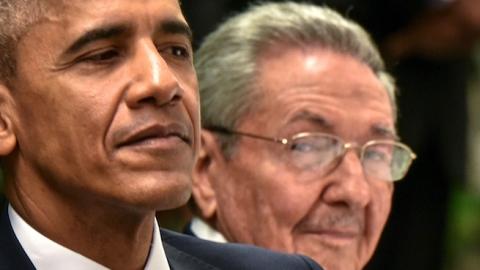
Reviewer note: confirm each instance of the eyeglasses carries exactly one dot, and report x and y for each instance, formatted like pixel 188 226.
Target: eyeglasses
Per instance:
pixel 386 160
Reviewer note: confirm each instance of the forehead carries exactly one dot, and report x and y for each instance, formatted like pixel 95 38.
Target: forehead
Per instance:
pixel 82 14
pixel 335 90
pixel 64 22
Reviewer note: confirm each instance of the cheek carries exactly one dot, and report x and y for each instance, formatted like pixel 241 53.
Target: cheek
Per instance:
pixel 275 196
pixel 383 199
pixel 193 110
pixel 187 80
pixel 294 192
pixel 380 209
pixel 72 116
pixel 40 121
pixel 291 202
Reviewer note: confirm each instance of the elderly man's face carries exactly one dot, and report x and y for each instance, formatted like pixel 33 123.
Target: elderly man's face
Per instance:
pixel 106 104
pixel 260 197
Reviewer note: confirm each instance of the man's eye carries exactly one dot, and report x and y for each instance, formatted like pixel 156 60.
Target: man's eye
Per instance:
pixel 302 147
pixel 316 144
pixel 178 51
pixel 375 155
pixel 101 57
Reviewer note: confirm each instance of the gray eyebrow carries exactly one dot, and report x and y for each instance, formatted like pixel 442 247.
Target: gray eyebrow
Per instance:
pixel 382 131
pixel 313 117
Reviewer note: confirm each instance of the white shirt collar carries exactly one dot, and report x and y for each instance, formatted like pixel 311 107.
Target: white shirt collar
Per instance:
pixel 204 231
pixel 47 254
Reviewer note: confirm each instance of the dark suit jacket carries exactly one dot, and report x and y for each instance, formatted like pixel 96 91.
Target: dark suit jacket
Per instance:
pixel 183 253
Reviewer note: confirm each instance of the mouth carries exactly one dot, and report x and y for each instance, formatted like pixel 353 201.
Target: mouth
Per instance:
pixel 338 233
pixel 158 136
pixel 335 237
pixel 334 230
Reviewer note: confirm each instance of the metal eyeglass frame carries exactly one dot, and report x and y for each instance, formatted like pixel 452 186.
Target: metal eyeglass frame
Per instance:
pixel 345 145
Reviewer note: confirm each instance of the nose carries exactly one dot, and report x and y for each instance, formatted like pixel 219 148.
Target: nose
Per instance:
pixel 154 82
pixel 348 184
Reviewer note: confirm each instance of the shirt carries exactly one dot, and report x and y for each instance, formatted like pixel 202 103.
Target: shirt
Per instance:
pixel 49 255
pixel 204 231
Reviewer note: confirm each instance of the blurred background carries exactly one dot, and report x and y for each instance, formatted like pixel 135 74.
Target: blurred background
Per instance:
pixel 431 47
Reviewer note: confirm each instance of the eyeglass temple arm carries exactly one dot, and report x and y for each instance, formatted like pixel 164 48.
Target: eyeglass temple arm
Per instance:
pixel 234 132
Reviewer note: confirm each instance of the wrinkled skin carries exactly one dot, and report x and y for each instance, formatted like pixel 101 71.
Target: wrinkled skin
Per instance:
pixel 257 196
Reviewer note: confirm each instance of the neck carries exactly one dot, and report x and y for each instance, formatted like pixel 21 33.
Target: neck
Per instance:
pixel 100 231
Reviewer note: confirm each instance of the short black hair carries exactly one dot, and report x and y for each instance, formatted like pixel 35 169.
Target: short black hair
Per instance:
pixel 16 16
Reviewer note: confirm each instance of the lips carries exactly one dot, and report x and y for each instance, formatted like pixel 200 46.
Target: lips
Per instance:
pixel 345 233
pixel 334 237
pixel 155 132
pixel 335 229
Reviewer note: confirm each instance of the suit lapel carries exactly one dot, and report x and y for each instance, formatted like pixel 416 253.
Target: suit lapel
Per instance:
pixel 179 260
pixel 188 230
pixel 12 255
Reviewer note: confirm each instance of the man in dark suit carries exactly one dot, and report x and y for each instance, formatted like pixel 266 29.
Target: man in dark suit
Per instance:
pixel 99 128
pixel 183 253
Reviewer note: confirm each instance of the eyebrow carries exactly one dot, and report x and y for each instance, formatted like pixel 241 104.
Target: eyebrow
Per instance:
pixel 316 119
pixel 100 33
pixel 384 132
pixel 115 30
pixel 377 130
pixel 175 27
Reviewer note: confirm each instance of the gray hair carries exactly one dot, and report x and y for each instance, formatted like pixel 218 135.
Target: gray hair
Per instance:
pixel 16 16
pixel 226 60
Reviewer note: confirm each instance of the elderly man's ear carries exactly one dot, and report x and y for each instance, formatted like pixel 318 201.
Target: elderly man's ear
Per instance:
pixel 205 175
pixel 8 138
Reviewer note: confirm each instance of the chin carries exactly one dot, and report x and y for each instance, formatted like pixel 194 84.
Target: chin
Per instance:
pixel 177 195
pixel 171 192
pixel 333 259
pixel 148 193
pixel 332 264
pixel 339 264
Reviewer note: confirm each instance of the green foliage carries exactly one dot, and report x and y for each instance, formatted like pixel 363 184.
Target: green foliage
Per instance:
pixel 464 231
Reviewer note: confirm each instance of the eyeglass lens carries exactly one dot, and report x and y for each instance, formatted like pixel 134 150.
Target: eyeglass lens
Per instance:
pixel 387 161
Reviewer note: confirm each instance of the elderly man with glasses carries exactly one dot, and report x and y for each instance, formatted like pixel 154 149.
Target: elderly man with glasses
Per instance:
pixel 299 147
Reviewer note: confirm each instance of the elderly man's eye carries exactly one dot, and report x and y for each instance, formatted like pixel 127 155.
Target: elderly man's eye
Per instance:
pixel 318 144
pixel 302 147
pixel 375 155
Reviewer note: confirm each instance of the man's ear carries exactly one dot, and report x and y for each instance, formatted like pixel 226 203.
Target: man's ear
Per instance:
pixel 8 139
pixel 205 173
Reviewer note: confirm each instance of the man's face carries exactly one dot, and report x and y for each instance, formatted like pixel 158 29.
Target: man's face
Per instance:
pixel 106 104
pixel 262 198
